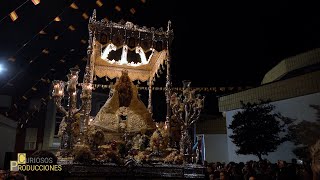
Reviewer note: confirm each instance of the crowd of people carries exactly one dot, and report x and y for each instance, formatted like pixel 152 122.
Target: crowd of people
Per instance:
pixel 13 175
pixel 258 170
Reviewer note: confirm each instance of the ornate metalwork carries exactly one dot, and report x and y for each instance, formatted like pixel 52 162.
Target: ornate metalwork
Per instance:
pixel 130 29
pixel 168 88
pixel 107 31
pixel 186 109
pixel 58 94
pixel 97 29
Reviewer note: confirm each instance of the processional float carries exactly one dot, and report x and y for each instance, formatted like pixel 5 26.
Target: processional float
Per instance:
pixel 123 129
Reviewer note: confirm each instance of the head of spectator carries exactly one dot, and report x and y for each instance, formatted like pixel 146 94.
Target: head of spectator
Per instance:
pixel 224 175
pixel 3 174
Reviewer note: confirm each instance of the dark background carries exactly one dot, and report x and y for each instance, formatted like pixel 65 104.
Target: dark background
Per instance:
pixel 215 43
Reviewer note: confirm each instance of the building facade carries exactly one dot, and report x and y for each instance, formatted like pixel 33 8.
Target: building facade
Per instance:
pixel 292 86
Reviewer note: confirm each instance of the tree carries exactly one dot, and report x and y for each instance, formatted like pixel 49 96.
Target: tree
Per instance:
pixel 305 134
pixel 257 129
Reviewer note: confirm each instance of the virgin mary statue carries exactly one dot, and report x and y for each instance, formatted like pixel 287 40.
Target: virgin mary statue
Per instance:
pixel 124 111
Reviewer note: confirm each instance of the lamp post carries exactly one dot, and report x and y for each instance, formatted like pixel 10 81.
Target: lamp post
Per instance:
pixel 58 94
pixel 186 109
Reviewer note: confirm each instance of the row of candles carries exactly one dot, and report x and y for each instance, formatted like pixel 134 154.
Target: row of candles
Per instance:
pixel 59 86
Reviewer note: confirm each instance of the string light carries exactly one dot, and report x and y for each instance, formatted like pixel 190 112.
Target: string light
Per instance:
pixel 57 19
pixel 13 16
pixel 12 59
pixel 206 89
pixel 85 16
pixel 36 2
pixel 118 8
pixel 71 28
pixel 133 11
pixel 43 32
pixel 45 51
pixel 74 6
pixel 99 3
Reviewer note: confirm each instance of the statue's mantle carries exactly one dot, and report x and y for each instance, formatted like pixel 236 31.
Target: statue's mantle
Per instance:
pixel 139 170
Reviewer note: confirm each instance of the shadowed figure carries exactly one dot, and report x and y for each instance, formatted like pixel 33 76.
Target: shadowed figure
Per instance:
pixel 124 89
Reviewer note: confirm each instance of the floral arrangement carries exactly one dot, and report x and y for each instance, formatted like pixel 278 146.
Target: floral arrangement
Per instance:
pixel 75 126
pixel 174 158
pixel 96 138
pixel 82 154
pixel 160 138
pixel 108 153
pixel 142 156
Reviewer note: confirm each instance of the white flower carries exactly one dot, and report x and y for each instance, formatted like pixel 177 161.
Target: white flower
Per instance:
pixel 122 125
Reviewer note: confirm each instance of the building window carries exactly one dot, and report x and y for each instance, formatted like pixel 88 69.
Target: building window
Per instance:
pixel 31 139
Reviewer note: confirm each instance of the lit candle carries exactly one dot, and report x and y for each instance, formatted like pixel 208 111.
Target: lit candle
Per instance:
pixel 57 88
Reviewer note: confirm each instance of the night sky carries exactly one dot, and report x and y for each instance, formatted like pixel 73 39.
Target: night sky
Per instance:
pixel 215 43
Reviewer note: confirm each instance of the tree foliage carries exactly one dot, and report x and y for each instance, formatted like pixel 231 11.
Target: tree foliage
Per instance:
pixel 305 134
pixel 258 130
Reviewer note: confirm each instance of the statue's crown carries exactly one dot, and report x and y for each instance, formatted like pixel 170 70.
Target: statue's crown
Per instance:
pixel 124 72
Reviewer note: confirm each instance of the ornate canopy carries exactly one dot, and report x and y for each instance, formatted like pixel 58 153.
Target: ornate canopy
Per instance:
pixel 150 45
pixel 142 72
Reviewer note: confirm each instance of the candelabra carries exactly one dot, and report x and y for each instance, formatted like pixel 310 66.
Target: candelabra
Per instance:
pixel 58 94
pixel 186 109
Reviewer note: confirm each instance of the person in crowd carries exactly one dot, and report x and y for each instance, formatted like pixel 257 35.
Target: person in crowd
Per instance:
pixel 224 175
pixel 16 175
pixel 3 174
